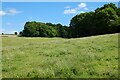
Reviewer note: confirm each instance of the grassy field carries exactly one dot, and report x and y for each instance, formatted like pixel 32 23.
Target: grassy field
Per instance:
pixel 89 57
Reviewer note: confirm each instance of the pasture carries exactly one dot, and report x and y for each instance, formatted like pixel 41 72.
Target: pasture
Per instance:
pixel 88 57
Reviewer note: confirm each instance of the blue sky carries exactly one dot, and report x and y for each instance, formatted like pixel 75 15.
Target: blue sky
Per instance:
pixel 15 14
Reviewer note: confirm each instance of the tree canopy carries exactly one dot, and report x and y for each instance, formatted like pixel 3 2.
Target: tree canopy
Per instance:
pixel 38 29
pixel 103 20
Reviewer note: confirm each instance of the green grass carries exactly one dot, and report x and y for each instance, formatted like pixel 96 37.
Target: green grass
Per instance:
pixel 89 57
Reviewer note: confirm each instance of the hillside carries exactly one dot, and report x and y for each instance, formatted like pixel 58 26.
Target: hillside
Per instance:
pixel 88 57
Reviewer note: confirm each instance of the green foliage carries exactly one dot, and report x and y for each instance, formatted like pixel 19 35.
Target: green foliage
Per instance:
pixel 15 33
pixel 38 29
pixel 104 20
pixel 106 16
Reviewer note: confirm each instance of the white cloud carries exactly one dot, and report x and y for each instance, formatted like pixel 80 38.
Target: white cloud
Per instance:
pixel 70 11
pixel 82 11
pixel 8 23
pixel 86 8
pixel 67 7
pixel 31 18
pixel 13 11
pixel 81 6
pixel 2 13
pixel 9 12
pixel 93 10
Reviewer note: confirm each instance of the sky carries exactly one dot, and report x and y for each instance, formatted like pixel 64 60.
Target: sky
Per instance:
pixel 15 14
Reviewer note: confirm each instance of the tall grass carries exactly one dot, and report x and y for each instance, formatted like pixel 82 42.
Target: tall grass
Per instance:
pixel 89 57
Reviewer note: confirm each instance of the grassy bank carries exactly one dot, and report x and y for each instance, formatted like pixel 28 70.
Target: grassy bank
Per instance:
pixel 89 57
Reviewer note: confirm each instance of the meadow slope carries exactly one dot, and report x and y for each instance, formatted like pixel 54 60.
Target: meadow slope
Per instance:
pixel 89 57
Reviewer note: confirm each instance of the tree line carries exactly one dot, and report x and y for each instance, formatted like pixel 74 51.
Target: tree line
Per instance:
pixel 38 29
pixel 104 20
